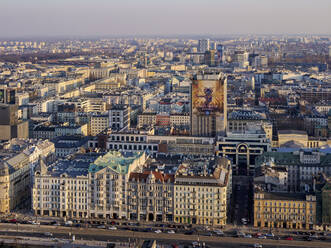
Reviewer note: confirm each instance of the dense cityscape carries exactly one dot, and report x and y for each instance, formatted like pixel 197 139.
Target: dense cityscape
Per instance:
pixel 165 124
pixel 212 137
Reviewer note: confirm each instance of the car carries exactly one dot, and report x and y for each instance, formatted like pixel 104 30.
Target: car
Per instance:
pixel 315 236
pixel 158 231
pixel 270 235
pixel 261 237
pixel 48 234
pixel 112 228
pixel 207 234
pixel 257 246
pixel 219 233
pixel 257 234
pixel 276 238
pixel 13 221
pixel 289 238
pixel 248 236
pixel 171 232
pixel 308 238
pixel 195 243
pixel 68 223
pixel 101 227
pixel 189 232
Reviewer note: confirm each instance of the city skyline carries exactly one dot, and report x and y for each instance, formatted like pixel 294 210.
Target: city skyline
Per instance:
pixel 166 18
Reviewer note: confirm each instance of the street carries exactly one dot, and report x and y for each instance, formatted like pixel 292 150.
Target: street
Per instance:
pixel 93 234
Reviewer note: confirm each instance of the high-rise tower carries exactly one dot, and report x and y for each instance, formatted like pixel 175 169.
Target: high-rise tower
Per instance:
pixel 204 45
pixel 208 104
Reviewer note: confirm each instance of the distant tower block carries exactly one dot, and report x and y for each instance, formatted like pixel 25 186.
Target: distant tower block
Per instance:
pixel 208 105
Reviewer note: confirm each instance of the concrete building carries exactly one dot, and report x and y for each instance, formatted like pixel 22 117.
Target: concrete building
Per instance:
pixel 119 117
pixel 284 210
pixel 243 149
pixel 86 186
pixel 98 123
pixel 10 125
pixel 167 144
pixel 208 105
pixel 204 45
pixel 201 194
pixel 15 173
pixel 301 166
pixel 150 196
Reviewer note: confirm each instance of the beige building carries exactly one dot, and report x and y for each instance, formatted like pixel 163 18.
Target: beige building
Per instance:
pixel 203 199
pixel 86 187
pixel 284 210
pixel 14 182
pixel 93 105
pixel 180 119
pixel 150 196
pixel 296 138
pixel 149 119
pixel 146 119
pixel 98 123
pixel 15 174
pixel 63 192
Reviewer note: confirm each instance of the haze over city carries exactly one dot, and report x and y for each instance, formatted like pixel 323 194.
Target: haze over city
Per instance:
pixel 165 124
pixel 20 18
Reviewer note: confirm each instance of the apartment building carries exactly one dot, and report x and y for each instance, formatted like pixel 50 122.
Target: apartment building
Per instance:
pixel 150 196
pixel 98 123
pixel 15 172
pixel 86 186
pixel 167 144
pixel 284 210
pixel 62 191
pixel 201 197
pixel 151 119
pixel 119 117
pixel 301 166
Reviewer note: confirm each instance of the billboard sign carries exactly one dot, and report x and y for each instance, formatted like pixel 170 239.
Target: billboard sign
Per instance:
pixel 207 96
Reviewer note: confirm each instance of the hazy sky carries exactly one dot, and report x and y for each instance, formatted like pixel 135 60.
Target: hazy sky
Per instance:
pixel 21 18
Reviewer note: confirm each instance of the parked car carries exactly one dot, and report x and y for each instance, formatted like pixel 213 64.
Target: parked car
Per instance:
pixel 308 238
pixel 101 227
pixel 258 246
pixel 171 231
pixel 14 221
pixel 112 228
pixel 68 223
pixel 195 243
pixel 158 231
pixel 48 234
pixel 270 235
pixel 289 238
pixel 248 236
pixel 219 233
pixel 261 237
pixel 189 232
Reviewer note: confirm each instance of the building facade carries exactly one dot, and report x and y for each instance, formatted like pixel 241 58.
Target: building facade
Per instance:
pixel 203 199
pixel 208 105
pixel 150 196
pixel 284 210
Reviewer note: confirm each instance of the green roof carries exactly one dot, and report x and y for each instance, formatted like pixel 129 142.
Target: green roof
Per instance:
pixel 118 161
pixel 288 158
